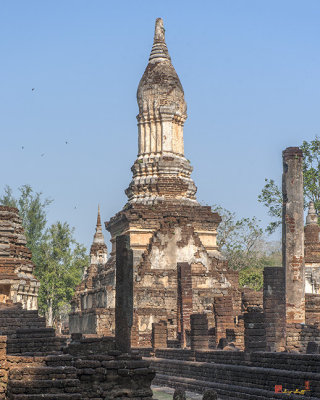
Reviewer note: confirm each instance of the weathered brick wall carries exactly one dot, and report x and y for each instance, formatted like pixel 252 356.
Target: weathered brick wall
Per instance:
pixel 251 299
pixel 3 366
pixel 90 368
pixel 184 303
pixel 224 316
pixel 312 308
pixel 199 331
pixel 15 262
pixel 37 340
pixel 254 331
pixel 274 307
pixel 237 375
pixel 299 335
pixel 159 335
pixel 13 317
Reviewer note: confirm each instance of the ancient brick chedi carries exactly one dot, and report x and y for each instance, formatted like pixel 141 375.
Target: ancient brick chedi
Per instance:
pixel 90 298
pixel 312 251
pixel 177 266
pixel 17 283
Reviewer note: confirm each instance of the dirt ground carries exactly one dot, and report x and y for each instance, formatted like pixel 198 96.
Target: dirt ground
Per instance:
pixel 165 393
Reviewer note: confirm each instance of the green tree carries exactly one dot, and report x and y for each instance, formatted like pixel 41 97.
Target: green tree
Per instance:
pixel 238 240
pixel 271 194
pixel 58 258
pixel 32 209
pixel 243 244
pixel 251 277
pixel 61 265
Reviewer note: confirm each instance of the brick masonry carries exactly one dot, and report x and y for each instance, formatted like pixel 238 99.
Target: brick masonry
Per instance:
pixel 17 283
pixel 237 374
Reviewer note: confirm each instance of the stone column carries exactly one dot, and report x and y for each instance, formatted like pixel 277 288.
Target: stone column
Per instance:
pixel 159 335
pixel 223 315
pixel 184 300
pixel 124 293
pixel 293 235
pixel 274 308
pixel 199 332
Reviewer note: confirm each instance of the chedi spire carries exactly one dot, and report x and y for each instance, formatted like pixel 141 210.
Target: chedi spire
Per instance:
pixel 98 250
pixel 98 236
pixel 159 50
pixel 161 172
pixel 312 217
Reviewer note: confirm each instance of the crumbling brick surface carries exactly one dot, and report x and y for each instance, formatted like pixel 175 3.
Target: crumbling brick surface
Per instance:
pixel 199 331
pixel 274 307
pixel 312 252
pixel 312 308
pixel 17 283
pixel 88 369
pixel 254 331
pixel 237 375
pixel 159 335
pixel 162 237
pixel 251 299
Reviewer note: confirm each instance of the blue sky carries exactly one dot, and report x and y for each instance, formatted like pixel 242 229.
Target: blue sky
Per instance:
pixel 250 71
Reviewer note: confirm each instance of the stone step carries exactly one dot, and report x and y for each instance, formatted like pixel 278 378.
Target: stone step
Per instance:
pixel 35 333
pixel 59 360
pixel 47 396
pixel 34 344
pixel 23 372
pixel 38 386
pixel 43 382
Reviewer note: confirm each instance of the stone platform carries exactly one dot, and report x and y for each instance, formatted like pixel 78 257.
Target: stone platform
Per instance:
pixel 237 374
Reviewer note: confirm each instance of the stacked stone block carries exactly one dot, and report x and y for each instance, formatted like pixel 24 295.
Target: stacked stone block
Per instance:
pixel 3 367
pixel 124 293
pixel 312 309
pixel 17 283
pixel 238 375
pixel 106 373
pixel 184 300
pixel 224 317
pixel 52 383
pixel 274 307
pixel 251 299
pixel 90 368
pixel 159 335
pixel 254 331
pixel 13 317
pixel 35 341
pixel 312 252
pixel 199 332
pixel 298 336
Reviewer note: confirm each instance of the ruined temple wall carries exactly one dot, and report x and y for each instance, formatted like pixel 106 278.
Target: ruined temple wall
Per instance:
pixel 88 368
pixel 312 257
pixel 157 285
pixel 17 282
pixel 312 308
pixel 140 222
pixel 237 374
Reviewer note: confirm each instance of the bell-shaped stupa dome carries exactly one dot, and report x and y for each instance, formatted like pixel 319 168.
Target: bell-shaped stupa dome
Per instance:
pixel 161 171
pixel 160 88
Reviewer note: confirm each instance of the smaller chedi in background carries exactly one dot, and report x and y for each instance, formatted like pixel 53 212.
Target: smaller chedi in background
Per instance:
pixel 17 283
pixel 312 251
